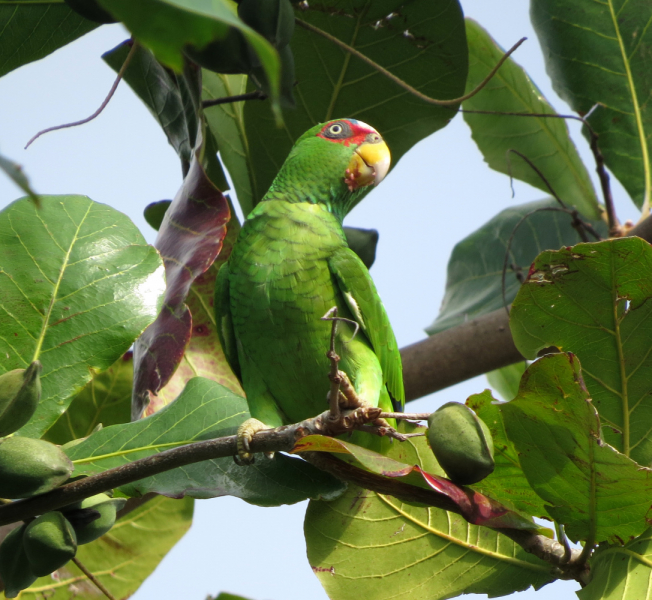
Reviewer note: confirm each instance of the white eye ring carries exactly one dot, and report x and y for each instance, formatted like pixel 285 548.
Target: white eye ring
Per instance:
pixel 335 129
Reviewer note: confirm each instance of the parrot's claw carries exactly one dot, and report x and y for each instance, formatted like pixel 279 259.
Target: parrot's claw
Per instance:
pixel 245 434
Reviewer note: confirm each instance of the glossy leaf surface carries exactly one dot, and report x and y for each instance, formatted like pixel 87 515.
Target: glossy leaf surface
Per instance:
pixel 596 492
pixel 545 141
pixel 205 410
pixel 123 558
pixel 599 52
pixel 614 279
pixel 474 282
pixel 78 284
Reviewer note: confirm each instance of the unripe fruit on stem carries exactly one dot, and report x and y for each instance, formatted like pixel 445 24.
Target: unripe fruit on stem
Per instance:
pixel 50 542
pixel 461 443
pixel 273 19
pixel 91 10
pixel 105 509
pixel 15 570
pixel 20 392
pixel 29 467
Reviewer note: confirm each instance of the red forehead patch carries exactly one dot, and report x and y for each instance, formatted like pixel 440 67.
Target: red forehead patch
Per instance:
pixel 346 131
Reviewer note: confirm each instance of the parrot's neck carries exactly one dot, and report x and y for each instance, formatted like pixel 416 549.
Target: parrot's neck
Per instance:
pixel 336 198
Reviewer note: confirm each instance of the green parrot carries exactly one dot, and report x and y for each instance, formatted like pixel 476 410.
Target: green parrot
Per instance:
pixel 290 265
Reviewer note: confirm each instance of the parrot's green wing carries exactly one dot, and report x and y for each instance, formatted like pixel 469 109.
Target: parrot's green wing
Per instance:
pixel 224 323
pixel 361 297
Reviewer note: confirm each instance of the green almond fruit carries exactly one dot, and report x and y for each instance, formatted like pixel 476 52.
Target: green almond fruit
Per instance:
pixel 20 392
pixel 15 569
pixel 50 542
pixel 273 19
pixel 29 467
pixel 105 509
pixel 91 10
pixel 461 443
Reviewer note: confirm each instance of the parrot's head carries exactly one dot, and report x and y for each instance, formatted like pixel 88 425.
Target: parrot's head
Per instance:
pixel 332 163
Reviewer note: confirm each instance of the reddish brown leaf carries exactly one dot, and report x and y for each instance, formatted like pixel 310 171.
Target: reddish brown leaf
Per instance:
pixel 189 240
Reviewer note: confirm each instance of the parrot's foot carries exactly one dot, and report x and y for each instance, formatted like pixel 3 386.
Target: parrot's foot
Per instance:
pixel 245 434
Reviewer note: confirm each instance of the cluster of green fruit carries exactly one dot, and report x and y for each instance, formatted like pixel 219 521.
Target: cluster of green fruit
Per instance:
pixel 38 548
pixel 461 443
pixel 29 467
pixel 274 20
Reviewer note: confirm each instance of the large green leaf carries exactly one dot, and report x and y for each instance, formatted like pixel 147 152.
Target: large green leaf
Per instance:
pixel 545 141
pixel 226 122
pixel 621 572
pixel 599 52
pixel 507 483
pixel 106 400
pixel 474 282
pixel 205 410
pixel 375 547
pixel 31 30
pixel 167 26
pixel 78 284
pixel 158 88
pixel 594 300
pixel 422 41
pixel 123 558
pixel 595 491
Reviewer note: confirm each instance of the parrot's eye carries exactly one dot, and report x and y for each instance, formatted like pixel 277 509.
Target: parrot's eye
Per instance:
pixel 337 131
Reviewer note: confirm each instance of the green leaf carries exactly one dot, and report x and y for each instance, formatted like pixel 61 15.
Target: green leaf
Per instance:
pixel 383 549
pixel 226 596
pixel 166 26
pixel 621 572
pixel 474 282
pixel 599 52
pixel 158 88
pixel 32 30
pixel 595 491
pixel 15 173
pixel 545 141
pixel 363 242
pixel 507 483
pixel 596 296
pixel 205 410
pixel 506 380
pixel 123 558
pixel 423 42
pixel 226 122
pixel 106 400
pixel 78 284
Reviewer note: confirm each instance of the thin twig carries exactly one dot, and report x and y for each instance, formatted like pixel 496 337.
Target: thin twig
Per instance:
pixel 92 577
pixel 561 538
pixel 405 416
pixel 255 95
pixel 123 68
pixel 400 82
pixel 612 219
pixel 333 375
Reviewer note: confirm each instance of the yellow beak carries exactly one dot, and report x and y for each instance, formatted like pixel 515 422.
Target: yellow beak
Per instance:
pixel 369 164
